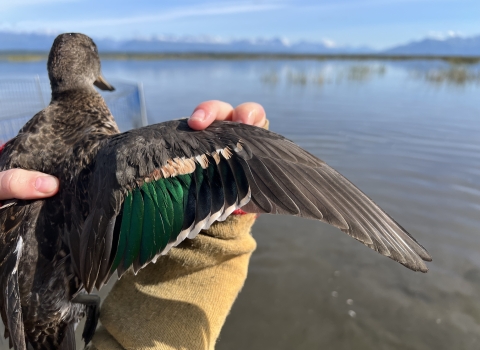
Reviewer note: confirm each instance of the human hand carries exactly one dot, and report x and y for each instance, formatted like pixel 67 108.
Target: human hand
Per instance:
pixel 24 184
pixel 206 112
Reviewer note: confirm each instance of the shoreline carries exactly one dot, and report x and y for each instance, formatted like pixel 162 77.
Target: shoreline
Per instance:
pixel 25 56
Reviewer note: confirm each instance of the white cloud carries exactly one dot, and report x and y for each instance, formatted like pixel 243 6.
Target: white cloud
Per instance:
pixel 353 5
pixel 204 39
pixel 444 35
pixel 435 35
pixel 285 41
pixel 12 4
pixel 329 43
pixel 452 33
pixel 211 9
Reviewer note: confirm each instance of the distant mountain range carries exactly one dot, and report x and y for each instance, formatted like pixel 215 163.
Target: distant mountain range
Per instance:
pixel 454 46
pixel 168 44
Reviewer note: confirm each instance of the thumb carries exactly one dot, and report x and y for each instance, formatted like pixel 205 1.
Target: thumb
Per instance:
pixel 24 184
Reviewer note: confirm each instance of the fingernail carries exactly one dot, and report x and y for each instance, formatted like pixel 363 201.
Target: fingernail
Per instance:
pixel 46 184
pixel 199 115
pixel 249 118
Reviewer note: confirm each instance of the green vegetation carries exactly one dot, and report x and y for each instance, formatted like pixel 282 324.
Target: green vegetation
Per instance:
pixel 365 72
pixel 299 78
pixel 360 72
pixel 270 78
pixel 453 75
pixel 20 57
pixel 459 72
pixel 35 56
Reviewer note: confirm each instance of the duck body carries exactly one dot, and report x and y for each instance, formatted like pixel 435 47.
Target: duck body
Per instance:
pixel 46 277
pixel 127 198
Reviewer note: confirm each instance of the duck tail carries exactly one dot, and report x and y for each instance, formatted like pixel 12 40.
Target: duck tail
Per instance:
pixel 68 342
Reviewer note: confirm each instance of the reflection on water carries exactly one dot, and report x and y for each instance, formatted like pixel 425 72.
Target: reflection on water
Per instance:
pixel 445 74
pixel 412 147
pixel 455 74
pixel 326 75
pixel 365 72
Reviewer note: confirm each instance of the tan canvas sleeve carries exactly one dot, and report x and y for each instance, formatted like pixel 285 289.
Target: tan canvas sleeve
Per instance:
pixel 180 302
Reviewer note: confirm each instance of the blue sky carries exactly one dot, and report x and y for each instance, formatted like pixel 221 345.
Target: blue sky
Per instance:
pixel 376 23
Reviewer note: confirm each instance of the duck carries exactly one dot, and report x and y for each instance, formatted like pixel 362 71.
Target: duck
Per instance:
pixel 127 198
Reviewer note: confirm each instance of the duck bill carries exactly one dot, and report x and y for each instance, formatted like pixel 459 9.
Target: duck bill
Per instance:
pixel 102 84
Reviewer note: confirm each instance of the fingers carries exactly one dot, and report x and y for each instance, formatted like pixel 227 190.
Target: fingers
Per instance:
pixel 250 113
pixel 23 184
pixel 206 112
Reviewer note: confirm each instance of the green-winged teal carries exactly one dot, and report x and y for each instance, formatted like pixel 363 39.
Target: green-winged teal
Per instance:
pixel 126 198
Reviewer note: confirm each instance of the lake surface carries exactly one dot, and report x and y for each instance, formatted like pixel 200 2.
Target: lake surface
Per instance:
pixel 408 134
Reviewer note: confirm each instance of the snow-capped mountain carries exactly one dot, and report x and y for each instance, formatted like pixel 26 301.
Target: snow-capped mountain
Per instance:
pixel 170 44
pixel 451 46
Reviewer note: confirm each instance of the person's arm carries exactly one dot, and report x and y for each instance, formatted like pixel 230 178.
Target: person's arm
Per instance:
pixel 182 301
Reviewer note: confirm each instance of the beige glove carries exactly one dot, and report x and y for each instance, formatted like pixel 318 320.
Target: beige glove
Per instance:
pixel 182 301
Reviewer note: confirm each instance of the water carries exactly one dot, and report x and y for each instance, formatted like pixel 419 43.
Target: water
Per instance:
pixel 407 134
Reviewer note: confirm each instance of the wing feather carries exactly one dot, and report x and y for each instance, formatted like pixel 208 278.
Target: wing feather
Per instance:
pixel 186 180
pixel 11 297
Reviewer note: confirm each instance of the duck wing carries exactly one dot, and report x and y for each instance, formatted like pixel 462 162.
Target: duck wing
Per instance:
pixel 152 187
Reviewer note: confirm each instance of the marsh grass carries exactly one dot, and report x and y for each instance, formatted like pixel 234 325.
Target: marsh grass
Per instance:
pixel 23 58
pixel 357 73
pixel 363 72
pixel 455 74
pixel 270 78
pixel 297 78
pixel 461 70
pixel 25 55
pixel 293 77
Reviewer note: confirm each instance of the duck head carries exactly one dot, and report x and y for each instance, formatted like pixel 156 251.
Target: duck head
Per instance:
pixel 73 63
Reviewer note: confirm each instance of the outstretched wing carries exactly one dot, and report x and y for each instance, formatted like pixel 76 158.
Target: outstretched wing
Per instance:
pixel 153 187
